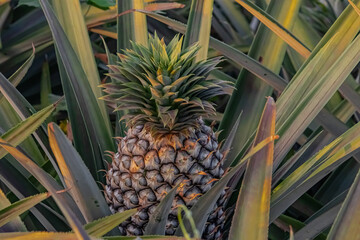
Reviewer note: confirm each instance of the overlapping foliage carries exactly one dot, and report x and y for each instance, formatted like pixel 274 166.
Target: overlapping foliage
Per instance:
pixel 302 184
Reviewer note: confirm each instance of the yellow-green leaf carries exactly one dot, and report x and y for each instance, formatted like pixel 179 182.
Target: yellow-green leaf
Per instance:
pixel 24 129
pixel 271 23
pixel 199 26
pixel 100 227
pixel 269 49
pixel 40 236
pixel 71 19
pixel 16 224
pixel 14 210
pixel 354 6
pixel 295 119
pixel 131 26
pixel 51 185
pixel 77 176
pixel 91 131
pixel 251 217
pixel 313 170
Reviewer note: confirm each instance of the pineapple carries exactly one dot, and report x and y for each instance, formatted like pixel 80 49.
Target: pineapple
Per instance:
pixel 167 143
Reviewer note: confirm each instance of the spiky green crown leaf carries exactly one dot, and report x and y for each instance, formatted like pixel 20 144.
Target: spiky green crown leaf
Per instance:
pixel 163 87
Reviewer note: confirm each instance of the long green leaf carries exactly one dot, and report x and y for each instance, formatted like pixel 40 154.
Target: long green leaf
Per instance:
pixel 289 222
pixel 199 26
pixel 270 50
pixel 251 215
pixel 14 210
pixel 322 219
pixel 342 178
pixel 77 177
pixel 252 66
pixel 132 26
pixel 317 225
pixel 91 135
pixel 271 23
pixel 14 225
pixel 63 200
pixel 351 95
pixel 40 236
pixel 5 10
pixel 16 77
pixel 9 119
pixel 100 227
pixel 347 91
pixel 225 148
pixel 19 184
pixel 290 163
pixel 45 87
pixel 339 181
pixel 313 170
pixel 24 129
pixel 290 126
pixel 237 19
pixel 72 21
pixel 24 109
pixel 346 29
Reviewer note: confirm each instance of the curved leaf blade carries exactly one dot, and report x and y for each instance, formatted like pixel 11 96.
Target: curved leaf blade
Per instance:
pixel 24 110
pixel 63 200
pixel 71 18
pixel 77 177
pixel 317 225
pixel 90 129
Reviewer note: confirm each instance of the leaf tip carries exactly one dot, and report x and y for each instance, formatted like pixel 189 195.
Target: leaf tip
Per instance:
pixel 58 101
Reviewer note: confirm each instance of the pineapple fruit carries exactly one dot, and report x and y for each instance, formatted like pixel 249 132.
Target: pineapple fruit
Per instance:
pixel 166 93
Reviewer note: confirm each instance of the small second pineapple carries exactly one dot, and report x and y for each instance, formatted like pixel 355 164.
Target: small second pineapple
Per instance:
pixel 167 94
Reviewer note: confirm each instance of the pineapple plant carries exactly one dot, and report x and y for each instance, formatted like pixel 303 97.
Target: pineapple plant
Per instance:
pixel 168 94
pixel 305 185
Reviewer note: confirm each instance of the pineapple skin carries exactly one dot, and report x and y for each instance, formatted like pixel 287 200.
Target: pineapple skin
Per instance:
pixel 144 169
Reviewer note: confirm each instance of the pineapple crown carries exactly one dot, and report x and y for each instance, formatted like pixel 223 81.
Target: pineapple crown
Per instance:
pixel 163 87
